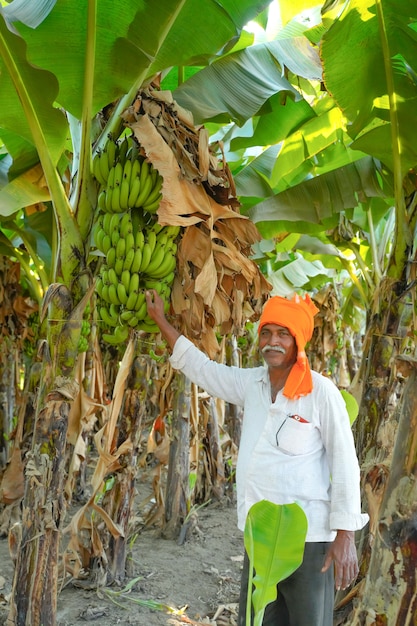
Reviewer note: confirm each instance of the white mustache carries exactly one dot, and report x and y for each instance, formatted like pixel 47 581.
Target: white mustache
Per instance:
pixel 273 348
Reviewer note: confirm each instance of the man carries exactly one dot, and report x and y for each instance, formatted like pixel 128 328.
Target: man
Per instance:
pixel 296 446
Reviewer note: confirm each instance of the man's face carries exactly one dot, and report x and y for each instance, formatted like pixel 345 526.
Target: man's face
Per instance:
pixel 277 346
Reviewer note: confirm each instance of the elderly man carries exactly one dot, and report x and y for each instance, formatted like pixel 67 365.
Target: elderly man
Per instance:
pixel 296 446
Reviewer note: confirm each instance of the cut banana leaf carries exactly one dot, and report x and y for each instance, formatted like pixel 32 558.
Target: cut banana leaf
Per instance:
pixel 274 539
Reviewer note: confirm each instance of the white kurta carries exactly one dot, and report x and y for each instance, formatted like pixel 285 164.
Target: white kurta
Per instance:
pixel 290 450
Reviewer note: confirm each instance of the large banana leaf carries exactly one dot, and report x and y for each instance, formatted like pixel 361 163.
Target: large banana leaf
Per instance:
pixel 274 539
pixel 370 66
pixel 317 201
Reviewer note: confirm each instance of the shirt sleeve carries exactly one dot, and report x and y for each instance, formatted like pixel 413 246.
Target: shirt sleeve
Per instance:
pixel 219 380
pixel 345 511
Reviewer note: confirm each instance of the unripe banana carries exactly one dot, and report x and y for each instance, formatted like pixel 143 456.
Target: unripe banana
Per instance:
pixel 105 293
pixel 113 297
pixel 97 169
pixel 120 335
pixel 125 280
pixel 125 185
pixel 106 317
pixel 104 164
pixel 121 248
pixel 121 293
pixel 123 148
pixel 147 327
pixel 145 189
pixel 130 241
pixel 140 303
pixel 127 314
pixel 167 266
pixel 109 194
pixel 140 239
pixel 126 225
pixel 172 231
pixel 133 286
pixel 137 260
pixel 115 237
pixel 131 301
pixel 153 206
pixel 128 260
pixel 151 239
pixel 111 257
pixel 162 239
pixel 115 198
pixel 133 190
pixel 133 322
pixel 99 235
pixel 110 152
pixel 110 179
pixel 136 165
pixel 101 200
pixel 106 244
pixel 156 189
pixel 106 223
pixel 156 260
pixel 146 257
pixel 113 222
pixel 113 278
pixel 118 266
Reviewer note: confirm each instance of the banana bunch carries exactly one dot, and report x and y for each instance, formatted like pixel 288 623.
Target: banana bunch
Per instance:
pixel 126 179
pixel 138 256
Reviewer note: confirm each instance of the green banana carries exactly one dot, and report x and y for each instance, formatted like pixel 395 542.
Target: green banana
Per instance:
pixel 120 335
pixel 145 179
pixel 133 322
pixel 111 257
pixel 125 280
pixel 106 223
pixel 120 248
pixel 133 286
pixel 166 267
pixel 140 239
pixel 118 266
pixel 146 257
pixel 115 198
pixel 115 237
pixel 128 260
pixel 129 241
pixel 156 260
pixel 137 260
pixel 125 185
pixel 133 190
pixel 105 294
pixel 106 244
pixel 110 151
pixel 101 200
pixel 99 235
pixel 151 239
pixel 156 189
pixel 106 317
pixel 131 301
pixel 113 278
pixel 126 224
pixel 96 168
pixel 113 222
pixel 147 327
pixel 121 293
pixel 153 206
pixel 127 314
pixel 140 304
pixel 113 297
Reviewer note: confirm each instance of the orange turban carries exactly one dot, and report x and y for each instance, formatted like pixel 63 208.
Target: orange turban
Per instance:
pixel 297 315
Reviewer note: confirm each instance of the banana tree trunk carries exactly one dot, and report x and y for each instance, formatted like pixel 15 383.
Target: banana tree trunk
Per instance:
pixel 123 493
pixel 34 595
pixel 177 488
pixel 376 433
pixel 390 591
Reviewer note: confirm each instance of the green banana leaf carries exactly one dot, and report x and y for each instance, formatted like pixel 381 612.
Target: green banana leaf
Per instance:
pixel 274 539
pixel 370 64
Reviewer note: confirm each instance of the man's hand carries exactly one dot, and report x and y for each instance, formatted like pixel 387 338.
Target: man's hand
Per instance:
pixel 155 306
pixel 342 553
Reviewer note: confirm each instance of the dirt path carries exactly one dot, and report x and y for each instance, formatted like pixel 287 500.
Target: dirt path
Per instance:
pixel 200 577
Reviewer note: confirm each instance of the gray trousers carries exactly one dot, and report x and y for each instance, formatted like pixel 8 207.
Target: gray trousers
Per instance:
pixel 306 598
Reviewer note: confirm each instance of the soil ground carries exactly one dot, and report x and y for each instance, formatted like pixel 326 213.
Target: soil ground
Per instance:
pixel 199 579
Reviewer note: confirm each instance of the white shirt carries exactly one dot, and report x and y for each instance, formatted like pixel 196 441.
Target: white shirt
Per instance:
pixel 283 458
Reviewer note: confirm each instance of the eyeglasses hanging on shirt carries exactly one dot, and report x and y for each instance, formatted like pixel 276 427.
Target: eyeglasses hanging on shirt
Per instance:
pixel 295 417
